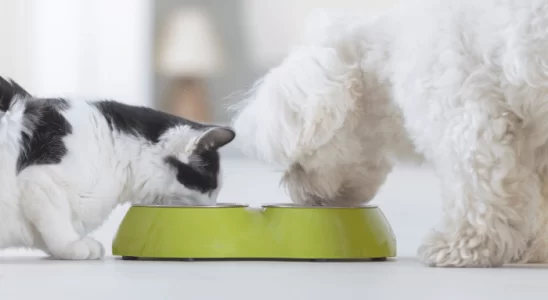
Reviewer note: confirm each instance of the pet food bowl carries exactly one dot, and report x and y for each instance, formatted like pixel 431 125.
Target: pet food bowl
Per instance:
pixel 235 231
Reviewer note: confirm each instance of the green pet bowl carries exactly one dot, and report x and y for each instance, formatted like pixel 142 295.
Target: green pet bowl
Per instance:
pixel 234 231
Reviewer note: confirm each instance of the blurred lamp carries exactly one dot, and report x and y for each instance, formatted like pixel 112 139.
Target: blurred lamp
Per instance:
pixel 189 52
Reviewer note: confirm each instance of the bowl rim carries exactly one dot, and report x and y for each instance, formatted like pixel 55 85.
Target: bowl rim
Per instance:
pixel 218 205
pixel 264 206
pixel 294 205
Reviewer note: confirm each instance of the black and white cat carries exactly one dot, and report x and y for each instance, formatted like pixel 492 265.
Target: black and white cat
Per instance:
pixel 65 165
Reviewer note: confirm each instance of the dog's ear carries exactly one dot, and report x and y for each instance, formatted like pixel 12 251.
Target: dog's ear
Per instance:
pixel 300 105
pixel 330 88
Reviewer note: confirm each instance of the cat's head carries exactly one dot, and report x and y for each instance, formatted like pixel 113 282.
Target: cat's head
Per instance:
pixel 186 169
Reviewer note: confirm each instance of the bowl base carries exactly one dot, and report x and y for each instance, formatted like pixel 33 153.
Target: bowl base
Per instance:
pixel 373 259
pixel 129 258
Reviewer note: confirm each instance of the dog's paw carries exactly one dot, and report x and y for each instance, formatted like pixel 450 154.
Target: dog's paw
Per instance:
pixel 84 249
pixel 536 253
pixel 465 251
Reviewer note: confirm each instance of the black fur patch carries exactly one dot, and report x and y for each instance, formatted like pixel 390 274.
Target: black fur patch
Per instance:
pixel 8 90
pixel 200 176
pixel 141 121
pixel 48 126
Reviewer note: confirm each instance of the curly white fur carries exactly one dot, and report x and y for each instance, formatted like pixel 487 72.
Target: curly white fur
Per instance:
pixel 462 84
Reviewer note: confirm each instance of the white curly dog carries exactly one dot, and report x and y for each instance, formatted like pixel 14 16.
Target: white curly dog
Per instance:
pixel 460 84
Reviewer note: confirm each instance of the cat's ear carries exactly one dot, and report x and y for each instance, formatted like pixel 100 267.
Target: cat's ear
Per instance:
pixel 213 139
pixel 10 88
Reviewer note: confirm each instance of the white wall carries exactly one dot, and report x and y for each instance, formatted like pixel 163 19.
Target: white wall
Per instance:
pixel 14 40
pixel 273 26
pixel 98 48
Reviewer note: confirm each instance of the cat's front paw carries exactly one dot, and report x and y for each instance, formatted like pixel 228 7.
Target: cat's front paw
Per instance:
pixel 84 249
pixel 466 251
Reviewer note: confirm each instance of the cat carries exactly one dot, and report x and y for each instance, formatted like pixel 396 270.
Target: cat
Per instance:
pixel 66 164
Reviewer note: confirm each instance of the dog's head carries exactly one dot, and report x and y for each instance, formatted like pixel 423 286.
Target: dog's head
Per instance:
pixel 299 116
pixel 321 114
pixel 299 106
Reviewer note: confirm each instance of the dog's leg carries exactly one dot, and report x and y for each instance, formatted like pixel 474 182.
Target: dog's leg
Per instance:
pixel 490 188
pixel 537 248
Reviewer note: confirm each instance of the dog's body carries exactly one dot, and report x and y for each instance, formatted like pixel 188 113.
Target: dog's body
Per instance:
pixel 460 84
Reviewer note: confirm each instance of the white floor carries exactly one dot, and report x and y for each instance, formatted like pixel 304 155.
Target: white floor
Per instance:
pixel 409 200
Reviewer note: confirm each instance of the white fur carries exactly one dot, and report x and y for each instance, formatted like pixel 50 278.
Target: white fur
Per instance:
pixel 462 84
pixel 54 207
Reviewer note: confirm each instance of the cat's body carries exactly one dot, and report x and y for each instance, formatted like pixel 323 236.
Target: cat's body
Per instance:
pixel 65 165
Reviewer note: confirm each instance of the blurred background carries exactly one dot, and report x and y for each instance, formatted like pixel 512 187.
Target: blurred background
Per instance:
pixel 190 58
